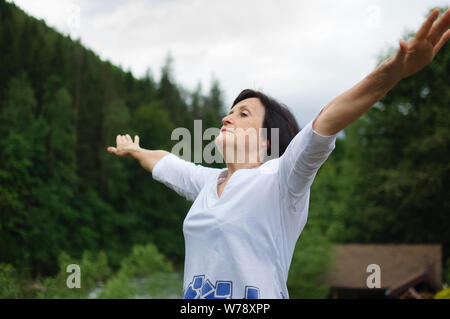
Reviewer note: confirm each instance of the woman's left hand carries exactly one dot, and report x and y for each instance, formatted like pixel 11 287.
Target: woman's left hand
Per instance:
pixel 414 55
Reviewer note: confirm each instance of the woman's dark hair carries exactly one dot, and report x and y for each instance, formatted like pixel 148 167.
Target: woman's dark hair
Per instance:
pixel 277 115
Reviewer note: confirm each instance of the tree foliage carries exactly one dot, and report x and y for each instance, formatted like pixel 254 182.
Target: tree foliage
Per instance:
pixel 60 191
pixel 389 182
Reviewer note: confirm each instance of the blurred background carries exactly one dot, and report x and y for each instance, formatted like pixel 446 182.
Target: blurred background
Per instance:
pixel 74 74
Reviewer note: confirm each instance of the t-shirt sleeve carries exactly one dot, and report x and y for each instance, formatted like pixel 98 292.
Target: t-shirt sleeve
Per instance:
pixel 301 160
pixel 185 178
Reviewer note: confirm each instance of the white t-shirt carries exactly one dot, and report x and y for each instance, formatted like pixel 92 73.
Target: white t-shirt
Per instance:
pixel 241 244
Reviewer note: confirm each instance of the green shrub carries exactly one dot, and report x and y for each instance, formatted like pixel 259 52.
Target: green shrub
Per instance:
pixel 145 260
pixel 56 287
pixel 443 294
pixel 121 286
pixel 93 268
pixel 163 286
pixel 9 286
pixel 311 260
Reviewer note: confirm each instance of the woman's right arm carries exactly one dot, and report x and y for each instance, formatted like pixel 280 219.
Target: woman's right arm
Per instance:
pixel 126 147
pixel 185 178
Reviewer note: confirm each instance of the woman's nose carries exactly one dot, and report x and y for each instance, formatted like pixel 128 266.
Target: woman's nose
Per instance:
pixel 227 120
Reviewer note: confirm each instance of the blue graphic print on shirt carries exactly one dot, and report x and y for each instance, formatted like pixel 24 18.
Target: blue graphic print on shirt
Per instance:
pixel 199 288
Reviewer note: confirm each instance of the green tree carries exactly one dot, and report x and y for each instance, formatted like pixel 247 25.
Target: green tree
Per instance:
pixel 311 260
pixel 60 107
pixel 169 95
pixel 392 183
pixel 16 170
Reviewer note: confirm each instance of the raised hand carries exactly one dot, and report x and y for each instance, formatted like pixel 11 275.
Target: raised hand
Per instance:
pixel 125 146
pixel 414 55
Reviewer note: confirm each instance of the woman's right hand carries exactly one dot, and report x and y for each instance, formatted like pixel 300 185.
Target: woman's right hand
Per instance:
pixel 125 146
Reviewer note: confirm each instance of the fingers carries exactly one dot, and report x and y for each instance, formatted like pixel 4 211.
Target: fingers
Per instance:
pixel 120 139
pixel 439 27
pixel 442 41
pixel 111 149
pixel 425 29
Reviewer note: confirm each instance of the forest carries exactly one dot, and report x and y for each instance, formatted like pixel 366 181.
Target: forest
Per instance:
pixel 64 199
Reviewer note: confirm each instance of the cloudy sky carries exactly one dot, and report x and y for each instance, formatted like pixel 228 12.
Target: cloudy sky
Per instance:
pixel 303 53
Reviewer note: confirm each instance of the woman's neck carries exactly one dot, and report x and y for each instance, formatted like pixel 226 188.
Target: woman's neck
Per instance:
pixel 233 167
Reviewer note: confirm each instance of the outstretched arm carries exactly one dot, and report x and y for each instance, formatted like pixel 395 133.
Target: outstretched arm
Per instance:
pixel 126 147
pixel 411 57
pixel 185 178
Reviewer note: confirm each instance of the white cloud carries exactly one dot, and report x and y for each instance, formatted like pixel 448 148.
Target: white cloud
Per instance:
pixel 304 53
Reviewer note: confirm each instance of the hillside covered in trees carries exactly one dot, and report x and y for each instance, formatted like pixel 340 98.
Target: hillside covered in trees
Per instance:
pixel 60 107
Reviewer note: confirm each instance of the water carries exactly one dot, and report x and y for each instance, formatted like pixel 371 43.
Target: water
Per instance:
pixel 157 286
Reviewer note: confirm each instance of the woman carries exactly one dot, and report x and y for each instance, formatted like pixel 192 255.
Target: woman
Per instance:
pixel 241 229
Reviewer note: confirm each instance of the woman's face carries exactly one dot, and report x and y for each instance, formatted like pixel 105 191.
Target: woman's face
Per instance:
pixel 241 139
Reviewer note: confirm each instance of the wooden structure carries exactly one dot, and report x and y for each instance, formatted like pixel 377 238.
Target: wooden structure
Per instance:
pixel 407 271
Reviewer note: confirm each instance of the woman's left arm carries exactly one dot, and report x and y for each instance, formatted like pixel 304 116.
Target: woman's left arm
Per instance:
pixel 411 57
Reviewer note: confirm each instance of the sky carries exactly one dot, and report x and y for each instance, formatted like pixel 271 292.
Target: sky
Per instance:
pixel 302 53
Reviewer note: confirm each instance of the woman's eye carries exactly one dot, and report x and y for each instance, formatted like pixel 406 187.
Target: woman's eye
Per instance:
pixel 244 114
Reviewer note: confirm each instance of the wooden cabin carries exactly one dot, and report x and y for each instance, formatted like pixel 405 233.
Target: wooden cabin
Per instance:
pixel 406 271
